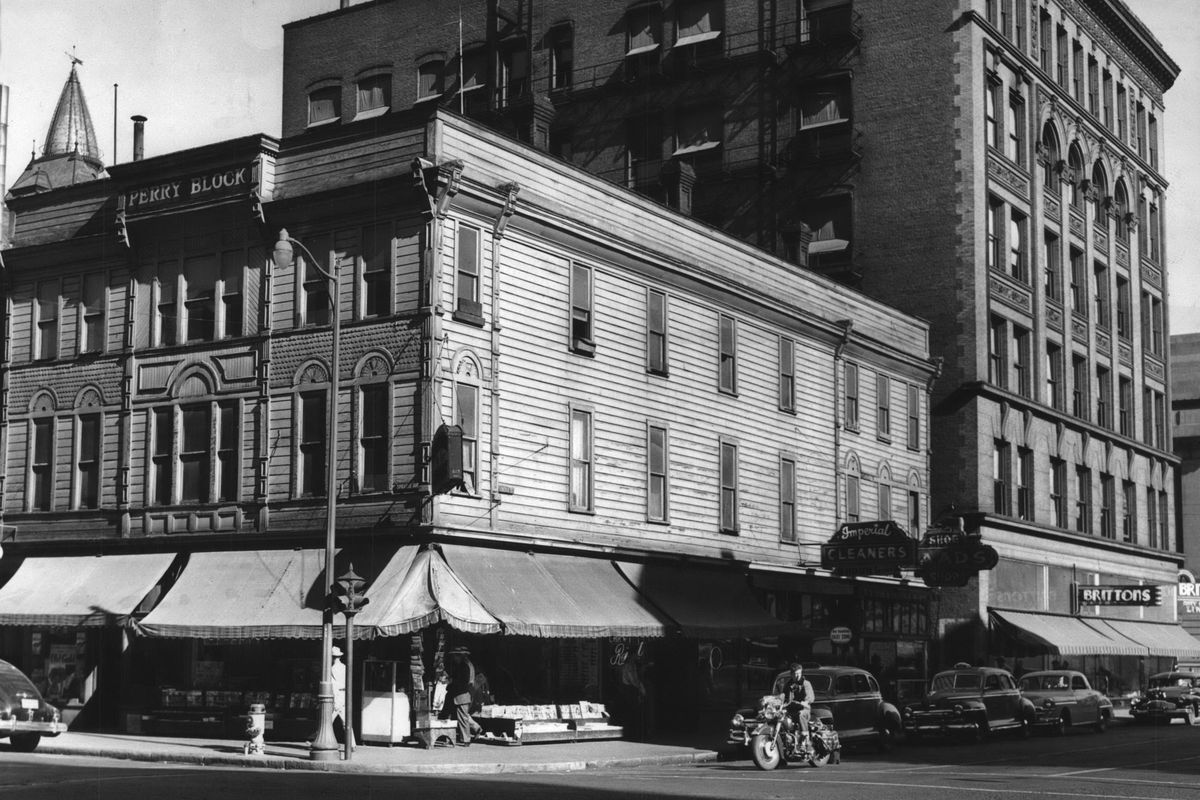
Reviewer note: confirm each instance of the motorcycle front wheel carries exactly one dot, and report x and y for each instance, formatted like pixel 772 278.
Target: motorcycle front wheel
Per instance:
pixel 764 750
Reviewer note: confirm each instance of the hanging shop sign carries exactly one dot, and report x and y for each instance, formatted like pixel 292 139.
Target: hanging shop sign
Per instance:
pixel 840 635
pixel 1119 595
pixel 1188 596
pixel 867 548
pixel 948 556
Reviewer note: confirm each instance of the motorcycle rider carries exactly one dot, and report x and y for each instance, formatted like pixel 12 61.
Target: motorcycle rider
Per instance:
pixel 797 695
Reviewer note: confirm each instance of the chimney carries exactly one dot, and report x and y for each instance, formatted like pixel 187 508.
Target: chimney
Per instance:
pixel 139 137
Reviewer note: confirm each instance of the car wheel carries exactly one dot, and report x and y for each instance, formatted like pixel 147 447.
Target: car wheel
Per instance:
pixel 979 732
pixel 1064 722
pixel 25 742
pixel 1026 729
pixel 1101 724
pixel 886 740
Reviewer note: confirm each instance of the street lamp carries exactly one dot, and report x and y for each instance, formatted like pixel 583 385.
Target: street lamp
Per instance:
pixel 324 745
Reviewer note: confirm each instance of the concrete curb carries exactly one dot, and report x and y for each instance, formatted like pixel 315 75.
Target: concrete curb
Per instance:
pixel 299 764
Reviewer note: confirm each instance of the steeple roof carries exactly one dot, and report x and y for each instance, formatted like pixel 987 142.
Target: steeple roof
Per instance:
pixel 71 154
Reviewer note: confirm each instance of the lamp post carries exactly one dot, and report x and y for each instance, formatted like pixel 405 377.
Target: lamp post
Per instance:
pixel 324 745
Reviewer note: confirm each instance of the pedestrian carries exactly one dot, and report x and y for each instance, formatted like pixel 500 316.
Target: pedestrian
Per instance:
pixel 462 680
pixel 337 676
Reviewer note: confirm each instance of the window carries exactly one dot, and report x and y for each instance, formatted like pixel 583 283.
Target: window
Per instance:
pixel 1108 507
pixel 166 322
pixel 1148 416
pixel 657 489
pixel 581 498
pixel 643 152
pixel 914 510
pixel 468 307
pixel 1104 398
pixel 1124 309
pixel 562 56
pixel 48 298
pixel 373 428
pixel 313 288
pixel 787 374
pixel 1151 517
pixel 884 500
pixel 162 477
pixel 200 302
pixel 1025 483
pixel 95 303
pixel 995 222
pixel 1103 303
pixel 324 105
pixel 1079 287
pixel 883 402
pixel 1153 232
pixel 1106 99
pixel 729 487
pixel 644 27
pixel 992 91
pixel 1143 226
pixel 195 464
pixel 87 464
pixel 1140 131
pixel 824 103
pixel 697 22
pixel 1164 521
pixel 1018 258
pixel 1045 41
pixel 1052 260
pixel 472 70
pixel 1022 361
pixel 1129 512
pixel 232 313
pixel 1156 326
pixel 1001 477
pixel 1099 191
pixel 312 429
pixel 727 367
pixel 582 323
pixel 1083 499
pixel 830 220
pixel 1055 386
pixel 1075 163
pixel 1058 491
pixel 698 130
pixel 1125 406
pixel 1122 114
pixel 1080 389
pixel 914 417
pixel 850 406
pixel 1160 420
pixel 656 332
pixel 41 496
pixel 787 500
pixel 1093 86
pixel 374 96
pixel 997 352
pixel 466 417
pixel 1050 159
pixel 228 451
pixel 1015 129
pixel 513 74
pixel 853 498
pixel 430 79
pixel 1152 140
pixel 1062 56
pixel 375 263
pixel 1077 71
pixel 1121 211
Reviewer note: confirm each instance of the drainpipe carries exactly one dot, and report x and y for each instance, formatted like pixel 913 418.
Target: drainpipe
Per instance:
pixel 510 206
pixel 839 409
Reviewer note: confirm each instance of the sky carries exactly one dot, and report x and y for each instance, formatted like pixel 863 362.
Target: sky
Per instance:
pixel 204 71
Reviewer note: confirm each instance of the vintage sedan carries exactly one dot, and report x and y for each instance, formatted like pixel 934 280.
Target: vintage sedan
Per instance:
pixel 1168 696
pixel 851 695
pixel 974 701
pixel 24 716
pixel 1063 698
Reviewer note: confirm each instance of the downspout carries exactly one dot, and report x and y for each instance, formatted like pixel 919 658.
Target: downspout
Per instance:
pixel 937 373
pixel 5 353
pixel 839 410
pixel 510 206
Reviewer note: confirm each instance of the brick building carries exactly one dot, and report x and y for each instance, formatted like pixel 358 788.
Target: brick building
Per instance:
pixel 1005 184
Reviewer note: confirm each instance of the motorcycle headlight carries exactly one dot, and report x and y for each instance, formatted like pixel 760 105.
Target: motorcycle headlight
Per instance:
pixel 1048 703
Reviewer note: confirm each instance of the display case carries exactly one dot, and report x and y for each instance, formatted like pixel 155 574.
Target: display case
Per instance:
pixel 385 717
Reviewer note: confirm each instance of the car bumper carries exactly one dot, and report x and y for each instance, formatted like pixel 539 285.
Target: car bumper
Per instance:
pixel 938 724
pixel 1158 710
pixel 1048 716
pixel 10 726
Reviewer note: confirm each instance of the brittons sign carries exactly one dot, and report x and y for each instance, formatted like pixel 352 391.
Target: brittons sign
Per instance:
pixel 1119 595
pixel 859 548
pixel 1188 595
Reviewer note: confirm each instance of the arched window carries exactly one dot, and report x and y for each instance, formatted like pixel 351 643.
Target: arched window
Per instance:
pixel 1099 190
pixel 1075 163
pixel 1121 205
pixel 1050 157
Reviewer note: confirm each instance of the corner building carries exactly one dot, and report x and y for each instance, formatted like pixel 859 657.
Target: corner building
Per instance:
pixel 1007 185
pixel 592 439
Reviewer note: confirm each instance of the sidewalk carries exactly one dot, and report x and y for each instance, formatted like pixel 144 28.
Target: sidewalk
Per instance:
pixel 480 758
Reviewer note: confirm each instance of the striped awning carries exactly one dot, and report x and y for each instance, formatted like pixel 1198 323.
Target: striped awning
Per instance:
pixel 1065 635
pixel 74 591
pixel 1165 639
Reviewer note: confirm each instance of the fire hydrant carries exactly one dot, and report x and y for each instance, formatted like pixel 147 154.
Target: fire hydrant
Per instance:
pixel 256 726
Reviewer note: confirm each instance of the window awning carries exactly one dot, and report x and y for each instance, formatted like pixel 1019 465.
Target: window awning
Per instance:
pixel 1156 638
pixel 544 594
pixel 417 589
pixel 251 594
pixel 73 591
pixel 706 603
pixel 1065 635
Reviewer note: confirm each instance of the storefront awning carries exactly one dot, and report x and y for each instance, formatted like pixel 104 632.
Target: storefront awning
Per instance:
pixel 1155 638
pixel 1065 635
pixel 542 594
pixel 417 589
pixel 706 603
pixel 252 594
pixel 71 591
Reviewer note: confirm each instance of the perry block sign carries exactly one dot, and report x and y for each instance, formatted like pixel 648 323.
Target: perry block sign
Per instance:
pixel 1119 595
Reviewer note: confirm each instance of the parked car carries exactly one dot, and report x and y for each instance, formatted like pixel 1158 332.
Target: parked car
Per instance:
pixel 1168 696
pixel 851 695
pixel 1063 698
pixel 25 717
pixel 971 700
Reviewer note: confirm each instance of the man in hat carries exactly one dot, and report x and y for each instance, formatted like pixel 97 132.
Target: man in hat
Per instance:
pixel 462 679
pixel 337 673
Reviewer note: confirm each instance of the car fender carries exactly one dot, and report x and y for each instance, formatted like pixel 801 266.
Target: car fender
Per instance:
pixel 889 717
pixel 1028 711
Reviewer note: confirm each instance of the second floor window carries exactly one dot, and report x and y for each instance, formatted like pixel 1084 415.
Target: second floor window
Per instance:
pixel 88 448
pixel 727 365
pixel 1129 512
pixel 1108 507
pixel 850 397
pixel 787 500
pixel 1151 517
pixel 1083 499
pixel 787 374
pixel 581 487
pixel 656 332
pixel 41 495
pixel 1058 491
pixel 729 487
pixel 914 417
pixel 883 414
pixel 311 430
pixel 582 322
pixel 466 417
pixel 467 256
pixel 1001 477
pixel 373 429
pixel 1025 483
pixel 656 473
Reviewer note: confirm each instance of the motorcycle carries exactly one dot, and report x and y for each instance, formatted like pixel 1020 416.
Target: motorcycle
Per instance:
pixel 777 739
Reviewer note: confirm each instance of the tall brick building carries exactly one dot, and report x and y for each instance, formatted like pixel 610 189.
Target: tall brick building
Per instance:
pixel 993 166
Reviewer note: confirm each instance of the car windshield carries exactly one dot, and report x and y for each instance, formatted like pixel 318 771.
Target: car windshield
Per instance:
pixel 1033 683
pixel 955 680
pixel 1164 681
